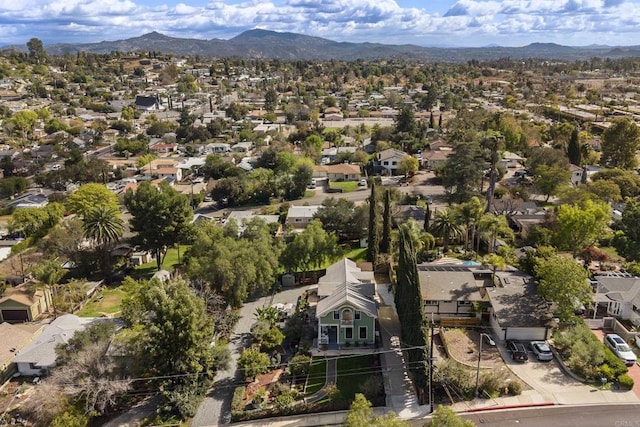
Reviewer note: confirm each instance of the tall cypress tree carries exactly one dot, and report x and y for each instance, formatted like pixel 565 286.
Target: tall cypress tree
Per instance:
pixel 432 122
pixel 385 243
pixel 409 308
pixel 373 243
pixel 440 121
pixel 427 219
pixel 573 149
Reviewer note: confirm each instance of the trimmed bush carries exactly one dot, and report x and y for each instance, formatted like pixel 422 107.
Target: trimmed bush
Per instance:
pixel 514 388
pixel 625 381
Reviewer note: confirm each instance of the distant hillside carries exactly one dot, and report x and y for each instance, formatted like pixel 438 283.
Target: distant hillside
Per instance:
pixel 275 45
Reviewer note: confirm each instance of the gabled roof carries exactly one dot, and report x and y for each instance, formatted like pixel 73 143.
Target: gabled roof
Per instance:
pixel 344 271
pixel 617 287
pixel 347 294
pixel 22 294
pixel 390 153
pixel 42 351
pixel 516 303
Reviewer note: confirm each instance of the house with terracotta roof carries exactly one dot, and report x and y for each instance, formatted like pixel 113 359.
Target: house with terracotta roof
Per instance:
pixel 339 172
pixel 25 303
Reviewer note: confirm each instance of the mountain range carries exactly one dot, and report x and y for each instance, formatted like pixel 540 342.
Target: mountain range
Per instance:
pixel 291 46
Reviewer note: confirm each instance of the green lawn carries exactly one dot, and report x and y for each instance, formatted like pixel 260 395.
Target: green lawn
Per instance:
pixel 347 186
pixel 353 372
pixel 170 261
pixel 110 303
pixel 356 254
pixel 317 376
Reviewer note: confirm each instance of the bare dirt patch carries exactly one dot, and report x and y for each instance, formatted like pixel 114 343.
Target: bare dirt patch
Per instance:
pixel 463 346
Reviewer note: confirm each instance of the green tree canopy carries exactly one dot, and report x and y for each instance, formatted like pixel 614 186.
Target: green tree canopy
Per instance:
pixel 620 142
pixel 90 196
pixel 562 280
pixel 160 217
pixel 627 236
pixel 252 362
pixel 234 266
pixel 580 226
pixel 311 248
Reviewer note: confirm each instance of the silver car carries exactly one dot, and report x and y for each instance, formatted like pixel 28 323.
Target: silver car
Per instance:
pixel 541 350
pixel 620 348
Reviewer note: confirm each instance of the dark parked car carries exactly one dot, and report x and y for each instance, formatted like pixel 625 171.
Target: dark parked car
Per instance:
pixel 518 351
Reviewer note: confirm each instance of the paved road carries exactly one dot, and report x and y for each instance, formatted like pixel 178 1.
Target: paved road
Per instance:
pixel 215 409
pixel 559 416
pixel 419 185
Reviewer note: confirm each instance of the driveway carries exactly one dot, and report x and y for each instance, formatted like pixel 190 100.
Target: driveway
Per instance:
pixel 634 371
pixel 550 381
pixel 215 409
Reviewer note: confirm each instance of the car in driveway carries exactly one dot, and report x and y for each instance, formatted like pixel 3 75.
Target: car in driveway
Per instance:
pixel 541 350
pixel 518 351
pixel 620 348
pixel 362 183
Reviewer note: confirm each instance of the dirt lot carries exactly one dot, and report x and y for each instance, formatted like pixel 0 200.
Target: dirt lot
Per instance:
pixel 463 345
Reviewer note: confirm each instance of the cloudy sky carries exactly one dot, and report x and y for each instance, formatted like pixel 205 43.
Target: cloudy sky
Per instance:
pixel 422 22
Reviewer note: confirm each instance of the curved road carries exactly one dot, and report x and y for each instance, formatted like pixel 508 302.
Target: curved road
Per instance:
pixel 627 415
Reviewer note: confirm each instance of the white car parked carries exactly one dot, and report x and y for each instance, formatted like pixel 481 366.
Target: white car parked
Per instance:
pixel 541 350
pixel 620 348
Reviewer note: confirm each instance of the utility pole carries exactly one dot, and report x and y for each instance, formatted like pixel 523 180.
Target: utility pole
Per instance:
pixel 431 366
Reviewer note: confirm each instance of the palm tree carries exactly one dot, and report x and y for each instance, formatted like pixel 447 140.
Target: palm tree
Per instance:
pixel 104 226
pixel 445 225
pixel 469 214
pixel 494 226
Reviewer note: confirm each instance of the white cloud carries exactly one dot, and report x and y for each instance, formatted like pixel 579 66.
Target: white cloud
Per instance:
pixel 467 22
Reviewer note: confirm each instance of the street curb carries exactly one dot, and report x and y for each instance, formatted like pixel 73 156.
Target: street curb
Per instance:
pixel 522 405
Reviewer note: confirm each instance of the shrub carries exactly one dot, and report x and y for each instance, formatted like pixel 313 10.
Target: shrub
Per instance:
pixel 490 383
pixel 372 387
pixel 299 365
pixel 514 388
pixel 238 397
pixel 606 371
pixel 625 381
pixel 455 375
pixel 617 365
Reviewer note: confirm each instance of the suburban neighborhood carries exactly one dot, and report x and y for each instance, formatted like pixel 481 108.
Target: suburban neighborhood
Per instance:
pixel 208 241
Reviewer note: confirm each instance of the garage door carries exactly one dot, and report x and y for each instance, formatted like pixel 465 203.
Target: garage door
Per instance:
pixel 526 334
pixel 15 316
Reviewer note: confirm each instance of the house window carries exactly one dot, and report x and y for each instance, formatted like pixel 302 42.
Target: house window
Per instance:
pixel 32 366
pixel 362 333
pixel 347 315
pixel 336 315
pixel 357 315
pixel 463 303
pixel 431 302
pixel 348 333
pixel 298 220
pixel 394 163
pixel 385 163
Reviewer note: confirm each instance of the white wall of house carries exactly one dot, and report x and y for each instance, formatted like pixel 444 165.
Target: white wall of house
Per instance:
pixel 526 334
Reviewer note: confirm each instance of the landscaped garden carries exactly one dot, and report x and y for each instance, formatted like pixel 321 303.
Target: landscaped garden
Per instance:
pixel 345 186
pixel 582 352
